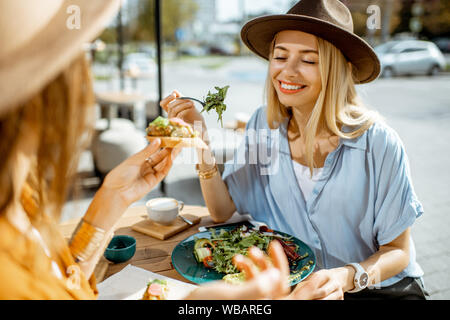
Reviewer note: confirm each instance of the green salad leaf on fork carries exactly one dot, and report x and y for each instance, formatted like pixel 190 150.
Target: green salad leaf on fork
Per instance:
pixel 216 101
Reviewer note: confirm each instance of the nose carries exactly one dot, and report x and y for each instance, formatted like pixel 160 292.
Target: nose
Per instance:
pixel 292 68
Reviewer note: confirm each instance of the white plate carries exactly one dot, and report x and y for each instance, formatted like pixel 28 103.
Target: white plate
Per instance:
pixel 131 282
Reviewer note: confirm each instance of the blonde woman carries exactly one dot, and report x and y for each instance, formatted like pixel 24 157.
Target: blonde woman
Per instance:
pixel 335 176
pixel 46 111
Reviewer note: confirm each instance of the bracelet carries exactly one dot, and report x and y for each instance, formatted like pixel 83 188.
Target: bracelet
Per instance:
pixel 85 241
pixel 208 174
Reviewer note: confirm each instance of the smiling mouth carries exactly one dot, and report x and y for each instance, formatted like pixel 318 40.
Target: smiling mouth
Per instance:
pixel 290 88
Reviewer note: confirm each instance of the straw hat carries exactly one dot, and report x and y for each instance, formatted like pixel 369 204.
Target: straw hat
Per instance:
pixel 41 38
pixel 328 19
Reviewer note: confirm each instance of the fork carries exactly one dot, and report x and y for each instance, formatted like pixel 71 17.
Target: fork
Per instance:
pixel 189 98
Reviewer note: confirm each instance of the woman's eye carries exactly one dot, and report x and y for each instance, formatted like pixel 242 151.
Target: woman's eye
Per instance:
pixel 309 62
pixel 279 58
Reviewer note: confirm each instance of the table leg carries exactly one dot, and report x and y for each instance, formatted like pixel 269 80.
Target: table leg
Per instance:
pixel 139 115
pixel 112 109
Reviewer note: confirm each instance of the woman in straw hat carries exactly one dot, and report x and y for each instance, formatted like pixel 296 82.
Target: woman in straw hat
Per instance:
pixel 45 111
pixel 337 177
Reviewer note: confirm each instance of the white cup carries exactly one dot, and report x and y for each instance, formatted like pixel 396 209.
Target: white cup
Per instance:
pixel 164 210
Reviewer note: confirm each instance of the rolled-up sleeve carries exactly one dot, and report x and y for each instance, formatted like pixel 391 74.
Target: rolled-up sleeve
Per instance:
pixel 396 204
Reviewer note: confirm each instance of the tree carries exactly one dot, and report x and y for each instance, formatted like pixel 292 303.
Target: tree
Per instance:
pixel 436 19
pixel 175 14
pixel 109 35
pixel 388 11
pixel 405 16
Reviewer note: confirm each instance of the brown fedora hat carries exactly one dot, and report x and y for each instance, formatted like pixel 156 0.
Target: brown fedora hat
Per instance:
pixel 41 38
pixel 330 20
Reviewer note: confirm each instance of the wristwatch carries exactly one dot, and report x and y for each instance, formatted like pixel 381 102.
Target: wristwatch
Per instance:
pixel 361 278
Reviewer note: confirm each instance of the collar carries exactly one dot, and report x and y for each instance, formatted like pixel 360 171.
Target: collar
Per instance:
pixel 357 143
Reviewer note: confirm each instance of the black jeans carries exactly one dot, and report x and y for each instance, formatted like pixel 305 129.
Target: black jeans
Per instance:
pixel 406 289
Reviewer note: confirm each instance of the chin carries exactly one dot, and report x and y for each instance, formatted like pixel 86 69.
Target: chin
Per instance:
pixel 297 102
pixel 294 102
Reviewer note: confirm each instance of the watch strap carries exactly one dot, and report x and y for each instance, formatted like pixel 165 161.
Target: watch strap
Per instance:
pixel 359 272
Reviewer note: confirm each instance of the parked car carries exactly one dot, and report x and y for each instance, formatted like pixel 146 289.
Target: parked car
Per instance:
pixel 193 51
pixel 408 57
pixel 222 49
pixel 139 65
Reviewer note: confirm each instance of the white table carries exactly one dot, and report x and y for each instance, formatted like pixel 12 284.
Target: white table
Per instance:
pixel 112 100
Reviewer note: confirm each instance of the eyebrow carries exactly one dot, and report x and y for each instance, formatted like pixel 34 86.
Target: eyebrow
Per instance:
pixel 302 51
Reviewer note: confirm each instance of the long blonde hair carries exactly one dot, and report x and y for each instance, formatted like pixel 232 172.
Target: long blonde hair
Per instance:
pixel 338 103
pixel 62 111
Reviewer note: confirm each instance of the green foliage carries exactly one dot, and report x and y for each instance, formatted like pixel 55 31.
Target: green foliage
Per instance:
pixel 216 101
pixel 436 19
pixel 174 14
pixel 109 35
pixel 230 243
pixel 160 122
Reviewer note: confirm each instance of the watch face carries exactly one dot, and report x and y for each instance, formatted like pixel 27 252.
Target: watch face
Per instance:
pixel 363 280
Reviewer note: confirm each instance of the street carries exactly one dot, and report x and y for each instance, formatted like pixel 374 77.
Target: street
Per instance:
pixel 418 108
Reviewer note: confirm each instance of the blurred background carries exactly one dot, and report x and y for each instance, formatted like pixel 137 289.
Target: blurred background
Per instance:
pixel 153 47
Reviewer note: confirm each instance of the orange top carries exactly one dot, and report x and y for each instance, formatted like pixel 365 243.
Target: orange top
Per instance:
pixel 27 272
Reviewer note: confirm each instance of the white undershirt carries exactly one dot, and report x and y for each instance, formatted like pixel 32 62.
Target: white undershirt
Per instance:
pixel 304 178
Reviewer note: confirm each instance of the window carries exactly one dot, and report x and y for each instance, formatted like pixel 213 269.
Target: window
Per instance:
pixel 407 50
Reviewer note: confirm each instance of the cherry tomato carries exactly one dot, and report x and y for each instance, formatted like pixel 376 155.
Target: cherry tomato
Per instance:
pixel 208 262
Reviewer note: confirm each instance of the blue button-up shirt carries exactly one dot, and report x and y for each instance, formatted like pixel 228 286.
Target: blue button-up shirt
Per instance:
pixel 364 198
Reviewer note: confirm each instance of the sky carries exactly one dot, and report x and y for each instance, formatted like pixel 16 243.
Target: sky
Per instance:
pixel 229 9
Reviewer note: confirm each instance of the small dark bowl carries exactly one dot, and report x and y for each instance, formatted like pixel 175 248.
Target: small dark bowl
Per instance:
pixel 120 249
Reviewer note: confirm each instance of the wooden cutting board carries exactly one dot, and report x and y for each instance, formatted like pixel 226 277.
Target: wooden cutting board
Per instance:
pixel 162 232
pixel 100 269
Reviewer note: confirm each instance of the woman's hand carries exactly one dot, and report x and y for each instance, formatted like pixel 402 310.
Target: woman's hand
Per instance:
pixel 126 183
pixel 139 174
pixel 265 278
pixel 257 263
pixel 326 284
pixel 184 110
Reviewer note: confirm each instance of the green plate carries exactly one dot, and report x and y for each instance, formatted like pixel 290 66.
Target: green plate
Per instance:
pixel 184 262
